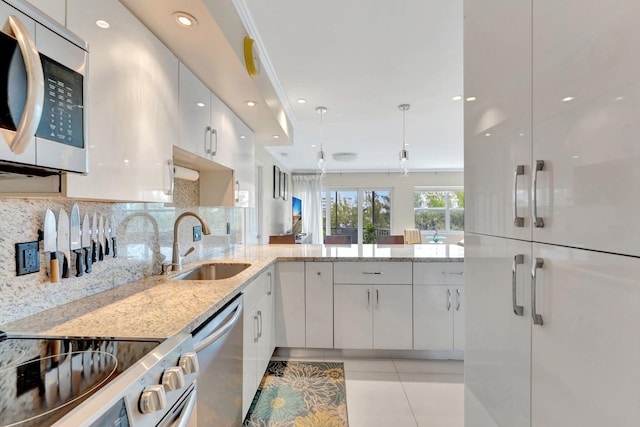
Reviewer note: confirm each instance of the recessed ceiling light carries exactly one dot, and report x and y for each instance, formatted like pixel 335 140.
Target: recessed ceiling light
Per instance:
pixel 457 98
pixel 620 98
pixel 242 137
pixel 276 136
pixel 251 103
pixel 568 98
pixel 487 134
pixel 313 145
pixel 302 101
pixel 406 144
pixel 200 104
pixel 521 134
pixel 185 20
pixel 471 98
pixel 103 24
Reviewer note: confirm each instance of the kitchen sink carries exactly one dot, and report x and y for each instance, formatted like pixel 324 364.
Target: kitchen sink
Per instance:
pixel 212 271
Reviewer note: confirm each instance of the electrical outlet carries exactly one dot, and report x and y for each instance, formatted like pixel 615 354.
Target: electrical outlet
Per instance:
pixel 197 233
pixel 27 258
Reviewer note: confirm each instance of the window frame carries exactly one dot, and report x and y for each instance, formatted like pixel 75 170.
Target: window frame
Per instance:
pixel 447 209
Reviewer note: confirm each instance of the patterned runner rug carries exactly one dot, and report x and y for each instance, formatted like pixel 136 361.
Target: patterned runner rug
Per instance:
pixel 300 394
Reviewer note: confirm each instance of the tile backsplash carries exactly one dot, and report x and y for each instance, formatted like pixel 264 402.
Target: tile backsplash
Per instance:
pixel 145 238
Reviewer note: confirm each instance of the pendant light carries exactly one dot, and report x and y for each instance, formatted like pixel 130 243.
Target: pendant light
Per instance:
pixel 404 154
pixel 320 155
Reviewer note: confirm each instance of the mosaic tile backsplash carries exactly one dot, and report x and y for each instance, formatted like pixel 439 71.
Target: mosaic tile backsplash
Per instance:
pixel 145 238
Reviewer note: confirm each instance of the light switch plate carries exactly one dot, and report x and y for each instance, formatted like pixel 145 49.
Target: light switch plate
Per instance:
pixel 27 258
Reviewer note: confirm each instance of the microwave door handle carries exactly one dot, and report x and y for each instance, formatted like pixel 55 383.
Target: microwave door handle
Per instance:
pixel 35 88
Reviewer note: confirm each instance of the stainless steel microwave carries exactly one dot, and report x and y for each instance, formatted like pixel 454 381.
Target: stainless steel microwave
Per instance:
pixel 43 90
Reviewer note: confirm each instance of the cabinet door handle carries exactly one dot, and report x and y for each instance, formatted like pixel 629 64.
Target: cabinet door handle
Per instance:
pixel 518 221
pixel 214 137
pixel 237 191
pixel 172 174
pixel 377 300
pixel 270 283
pixel 207 141
pixel 448 299
pixel 537 318
pixel 537 222
pixel 517 309
pixel 449 273
pixel 368 298
pixel 256 327
pixel 378 273
pixel 260 327
pixel 34 102
pixel 457 299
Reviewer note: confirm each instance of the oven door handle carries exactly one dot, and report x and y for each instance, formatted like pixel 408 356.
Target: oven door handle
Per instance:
pixel 187 411
pixel 215 336
pixel 30 119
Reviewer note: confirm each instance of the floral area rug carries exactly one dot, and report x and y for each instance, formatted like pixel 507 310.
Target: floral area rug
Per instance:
pixel 300 394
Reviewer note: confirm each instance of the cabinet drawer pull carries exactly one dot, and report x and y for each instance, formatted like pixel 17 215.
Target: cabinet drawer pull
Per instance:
pixel 449 273
pixel 537 222
pixel 457 299
pixel 379 273
pixel 448 299
pixel 517 259
pixel 518 221
pixel 537 318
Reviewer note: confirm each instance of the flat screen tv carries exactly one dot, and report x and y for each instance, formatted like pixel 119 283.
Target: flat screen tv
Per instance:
pixel 296 215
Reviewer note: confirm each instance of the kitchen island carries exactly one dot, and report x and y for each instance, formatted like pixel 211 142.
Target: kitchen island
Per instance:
pixel 159 307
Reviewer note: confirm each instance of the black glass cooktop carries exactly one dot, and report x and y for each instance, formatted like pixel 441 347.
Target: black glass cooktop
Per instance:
pixel 41 379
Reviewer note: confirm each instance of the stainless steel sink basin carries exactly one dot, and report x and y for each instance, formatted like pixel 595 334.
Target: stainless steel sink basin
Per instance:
pixel 212 272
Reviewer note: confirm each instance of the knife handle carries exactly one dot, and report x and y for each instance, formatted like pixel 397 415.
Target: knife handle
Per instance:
pixel 106 246
pixel 100 252
pixel 65 267
pixel 94 252
pixel 54 268
pixel 88 259
pixel 79 262
pixel 114 246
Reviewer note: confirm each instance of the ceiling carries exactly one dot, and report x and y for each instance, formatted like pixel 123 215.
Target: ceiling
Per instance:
pixel 358 58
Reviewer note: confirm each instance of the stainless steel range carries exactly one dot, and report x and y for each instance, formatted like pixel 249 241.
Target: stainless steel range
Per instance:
pixel 96 381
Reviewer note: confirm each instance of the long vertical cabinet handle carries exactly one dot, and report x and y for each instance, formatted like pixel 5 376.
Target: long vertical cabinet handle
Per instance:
pixel 214 137
pixel 518 310
pixel 518 221
pixel 237 191
pixel 368 298
pixel 270 283
pixel 457 299
pixel 172 174
pixel 260 327
pixel 448 299
pixel 32 113
pixel 537 318
pixel 537 222
pixel 207 141
pixel 256 327
pixel 377 299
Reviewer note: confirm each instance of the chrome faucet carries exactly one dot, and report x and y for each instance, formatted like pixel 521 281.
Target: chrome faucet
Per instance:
pixel 176 259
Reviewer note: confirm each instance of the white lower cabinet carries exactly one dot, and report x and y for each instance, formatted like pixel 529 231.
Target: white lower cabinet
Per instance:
pixel 319 304
pixel 577 363
pixel 290 305
pixel 438 306
pixel 258 334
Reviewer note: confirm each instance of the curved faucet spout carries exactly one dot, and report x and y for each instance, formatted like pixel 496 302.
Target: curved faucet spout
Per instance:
pixel 176 259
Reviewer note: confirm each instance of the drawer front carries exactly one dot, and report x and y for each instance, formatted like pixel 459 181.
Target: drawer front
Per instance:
pixel 373 273
pixel 438 273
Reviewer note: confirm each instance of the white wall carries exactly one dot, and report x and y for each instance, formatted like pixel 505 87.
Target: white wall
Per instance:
pixel 275 213
pixel 402 187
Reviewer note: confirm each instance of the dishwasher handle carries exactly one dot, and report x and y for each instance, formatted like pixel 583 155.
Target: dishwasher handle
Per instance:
pixel 218 333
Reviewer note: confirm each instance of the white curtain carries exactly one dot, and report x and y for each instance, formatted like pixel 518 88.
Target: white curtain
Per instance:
pixel 308 188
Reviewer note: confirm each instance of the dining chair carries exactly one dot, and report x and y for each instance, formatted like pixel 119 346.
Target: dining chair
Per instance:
pixel 337 240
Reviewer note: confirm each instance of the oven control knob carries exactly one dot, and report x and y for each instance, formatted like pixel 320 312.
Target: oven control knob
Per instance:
pixel 173 379
pixel 153 399
pixel 189 363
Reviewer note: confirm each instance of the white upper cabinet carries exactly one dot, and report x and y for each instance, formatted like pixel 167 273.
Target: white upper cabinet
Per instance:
pixel 244 165
pixel 53 8
pixel 497 60
pixel 585 123
pixel 195 114
pixel 133 113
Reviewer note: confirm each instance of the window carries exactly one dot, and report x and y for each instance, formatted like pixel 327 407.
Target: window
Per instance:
pixel 363 214
pixel 441 210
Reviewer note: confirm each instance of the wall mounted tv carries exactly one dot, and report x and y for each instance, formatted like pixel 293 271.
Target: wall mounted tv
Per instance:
pixel 296 215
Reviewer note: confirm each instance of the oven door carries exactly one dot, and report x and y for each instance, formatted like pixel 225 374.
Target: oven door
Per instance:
pixel 183 413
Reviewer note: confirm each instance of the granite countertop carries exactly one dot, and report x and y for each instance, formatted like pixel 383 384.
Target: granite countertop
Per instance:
pixel 158 307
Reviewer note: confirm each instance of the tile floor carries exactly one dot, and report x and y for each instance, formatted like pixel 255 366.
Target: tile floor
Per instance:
pixel 404 393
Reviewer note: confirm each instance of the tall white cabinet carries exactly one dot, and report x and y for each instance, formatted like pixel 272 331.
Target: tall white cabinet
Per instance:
pixel 551 175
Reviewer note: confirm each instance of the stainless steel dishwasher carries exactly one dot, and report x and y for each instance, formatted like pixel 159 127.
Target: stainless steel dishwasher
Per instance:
pixel 218 342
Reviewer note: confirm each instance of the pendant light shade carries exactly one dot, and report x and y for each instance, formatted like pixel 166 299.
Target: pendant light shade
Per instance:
pixel 320 156
pixel 404 154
